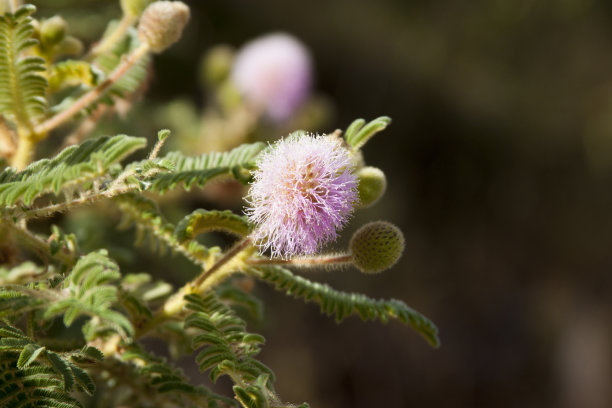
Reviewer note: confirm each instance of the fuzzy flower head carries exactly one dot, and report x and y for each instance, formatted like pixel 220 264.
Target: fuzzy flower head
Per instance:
pixel 304 191
pixel 273 73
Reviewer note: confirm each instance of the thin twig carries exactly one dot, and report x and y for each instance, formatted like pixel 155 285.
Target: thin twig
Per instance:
pixel 88 98
pixel 324 260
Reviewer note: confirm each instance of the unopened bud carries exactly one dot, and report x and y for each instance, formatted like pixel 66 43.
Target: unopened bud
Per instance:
pixel 52 31
pixel 372 185
pixel 134 7
pixel 376 246
pixel 70 46
pixel 217 64
pixel 162 24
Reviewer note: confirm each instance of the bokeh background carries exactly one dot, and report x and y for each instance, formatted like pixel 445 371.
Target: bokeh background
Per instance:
pixel 499 162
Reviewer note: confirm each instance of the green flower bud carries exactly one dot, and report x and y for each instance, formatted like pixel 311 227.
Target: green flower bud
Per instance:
pixel 162 24
pixel 372 185
pixel 52 31
pixel 217 64
pixel 70 46
pixel 376 246
pixel 134 7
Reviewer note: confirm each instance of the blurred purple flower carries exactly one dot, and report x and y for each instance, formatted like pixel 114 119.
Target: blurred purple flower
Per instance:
pixel 273 73
pixel 304 190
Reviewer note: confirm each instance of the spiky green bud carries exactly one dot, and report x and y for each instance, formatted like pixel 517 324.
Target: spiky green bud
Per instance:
pixel 52 31
pixel 134 7
pixel 162 24
pixel 376 246
pixel 372 185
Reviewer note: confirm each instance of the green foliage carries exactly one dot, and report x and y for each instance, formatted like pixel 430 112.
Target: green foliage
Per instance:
pixel 72 73
pixel 201 221
pixel 23 273
pixel 89 291
pixel 32 375
pixel 357 134
pixel 229 350
pixel 154 379
pixel 75 168
pixel 22 88
pixel 342 305
pixel 145 215
pixel 108 61
pixel 199 170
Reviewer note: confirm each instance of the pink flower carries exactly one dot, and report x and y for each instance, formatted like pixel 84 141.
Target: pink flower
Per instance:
pixel 273 73
pixel 304 191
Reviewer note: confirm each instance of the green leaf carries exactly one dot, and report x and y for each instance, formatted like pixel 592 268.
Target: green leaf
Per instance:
pixel 74 167
pixel 93 293
pixel 72 73
pixel 22 88
pixel 28 355
pixel 342 304
pixel 357 134
pixel 145 215
pixel 189 171
pixel 201 221
pixel 229 350
pixel 62 368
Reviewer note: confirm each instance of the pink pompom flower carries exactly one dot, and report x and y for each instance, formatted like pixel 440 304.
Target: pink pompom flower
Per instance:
pixel 304 191
pixel 273 73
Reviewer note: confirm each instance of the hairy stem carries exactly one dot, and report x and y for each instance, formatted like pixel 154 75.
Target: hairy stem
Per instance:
pixel 83 200
pixel 109 41
pixel 88 98
pixel 328 260
pixel 38 245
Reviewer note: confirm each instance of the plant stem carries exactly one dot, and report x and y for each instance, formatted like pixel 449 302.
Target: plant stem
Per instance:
pixel 87 199
pixel 206 280
pixel 14 5
pixel 88 98
pixel 8 140
pixel 314 261
pixel 25 151
pixel 239 247
pixel 40 246
pixel 108 42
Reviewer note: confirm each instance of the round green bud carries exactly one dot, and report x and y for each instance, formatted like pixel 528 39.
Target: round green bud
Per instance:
pixel 52 31
pixel 134 7
pixel 372 185
pixel 70 46
pixel 217 64
pixel 162 24
pixel 376 246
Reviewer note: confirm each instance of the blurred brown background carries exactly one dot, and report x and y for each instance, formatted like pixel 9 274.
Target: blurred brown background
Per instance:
pixel 499 161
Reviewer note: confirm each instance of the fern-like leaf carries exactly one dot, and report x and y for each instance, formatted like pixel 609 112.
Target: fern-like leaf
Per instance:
pixel 198 170
pixel 22 88
pixel 228 349
pixel 342 304
pixel 201 221
pixel 145 215
pixel 358 132
pixel 74 167
pixel 33 376
pixel 155 381
pixel 91 293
